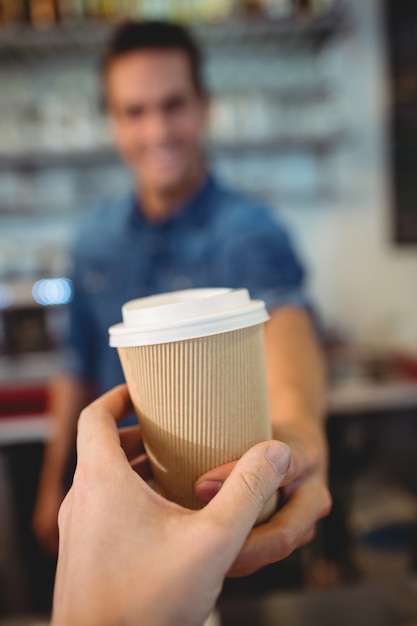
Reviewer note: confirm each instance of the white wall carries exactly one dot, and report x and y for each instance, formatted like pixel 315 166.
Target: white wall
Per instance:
pixel 364 284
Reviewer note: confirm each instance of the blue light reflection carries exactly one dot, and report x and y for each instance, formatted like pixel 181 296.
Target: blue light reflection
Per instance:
pixel 52 291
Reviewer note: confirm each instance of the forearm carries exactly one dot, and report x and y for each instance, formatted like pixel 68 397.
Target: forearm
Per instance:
pixel 67 398
pixel 296 372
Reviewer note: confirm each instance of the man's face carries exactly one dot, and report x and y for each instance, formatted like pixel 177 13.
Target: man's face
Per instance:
pixel 157 117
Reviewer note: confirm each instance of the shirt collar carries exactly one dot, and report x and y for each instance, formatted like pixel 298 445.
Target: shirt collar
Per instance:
pixel 193 210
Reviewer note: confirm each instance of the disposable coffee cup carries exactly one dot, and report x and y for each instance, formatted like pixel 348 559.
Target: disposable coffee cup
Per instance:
pixel 194 363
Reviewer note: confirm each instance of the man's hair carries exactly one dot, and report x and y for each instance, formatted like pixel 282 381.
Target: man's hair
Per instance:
pixel 133 36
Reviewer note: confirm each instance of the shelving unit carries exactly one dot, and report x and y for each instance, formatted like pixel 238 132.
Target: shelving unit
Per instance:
pixel 269 65
pixel 285 32
pixel 30 162
pixel 233 32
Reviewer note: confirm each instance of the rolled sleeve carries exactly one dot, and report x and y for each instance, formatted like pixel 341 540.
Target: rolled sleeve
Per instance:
pixel 263 259
pixel 77 355
pixel 276 298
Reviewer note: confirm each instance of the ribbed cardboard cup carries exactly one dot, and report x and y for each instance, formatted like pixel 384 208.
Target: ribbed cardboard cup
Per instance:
pixel 194 363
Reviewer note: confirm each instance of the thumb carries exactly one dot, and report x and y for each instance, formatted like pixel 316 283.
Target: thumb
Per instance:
pixel 252 482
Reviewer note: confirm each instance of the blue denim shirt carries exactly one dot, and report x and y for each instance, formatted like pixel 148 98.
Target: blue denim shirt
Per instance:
pixel 219 239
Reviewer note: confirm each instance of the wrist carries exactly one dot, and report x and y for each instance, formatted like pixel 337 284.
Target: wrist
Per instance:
pixel 304 432
pixel 51 481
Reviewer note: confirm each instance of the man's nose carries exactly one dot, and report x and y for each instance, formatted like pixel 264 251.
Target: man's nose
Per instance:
pixel 158 127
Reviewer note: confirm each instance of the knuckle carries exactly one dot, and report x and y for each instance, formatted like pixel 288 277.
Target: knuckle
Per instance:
pixel 313 457
pixel 327 503
pixel 287 543
pixel 63 512
pixel 85 414
pixel 254 485
pixel 243 571
pixel 310 535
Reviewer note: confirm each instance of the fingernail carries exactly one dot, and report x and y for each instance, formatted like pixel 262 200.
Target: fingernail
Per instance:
pixel 208 489
pixel 280 456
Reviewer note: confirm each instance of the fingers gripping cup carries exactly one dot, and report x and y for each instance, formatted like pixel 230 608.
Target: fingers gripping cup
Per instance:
pixel 194 362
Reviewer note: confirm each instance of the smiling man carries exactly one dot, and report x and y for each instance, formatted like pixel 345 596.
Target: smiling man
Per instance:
pixel 157 115
pixel 179 227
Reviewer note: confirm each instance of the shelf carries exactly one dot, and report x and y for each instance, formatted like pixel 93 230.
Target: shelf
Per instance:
pixel 37 209
pixel 263 32
pixel 44 159
pixel 26 40
pixel 28 429
pixel 318 145
pixel 266 193
pixel 26 370
pixel 363 396
pixel 49 159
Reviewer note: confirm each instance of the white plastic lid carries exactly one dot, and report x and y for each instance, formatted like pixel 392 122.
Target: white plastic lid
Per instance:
pixel 186 314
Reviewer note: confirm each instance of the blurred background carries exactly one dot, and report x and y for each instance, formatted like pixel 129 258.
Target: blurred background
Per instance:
pixel 314 110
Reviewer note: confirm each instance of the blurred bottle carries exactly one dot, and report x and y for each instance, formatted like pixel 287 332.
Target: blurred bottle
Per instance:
pixel 212 10
pixel 95 8
pixel 43 12
pixel 128 8
pixel 279 9
pixel 107 9
pixel 71 9
pixel 251 7
pixel 192 11
pixel 178 11
pixel 14 11
pixel 302 9
pixel 110 8
pixel 322 6
pixel 101 9
pixel 91 8
pixel 306 9
pixel 134 8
